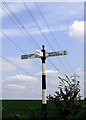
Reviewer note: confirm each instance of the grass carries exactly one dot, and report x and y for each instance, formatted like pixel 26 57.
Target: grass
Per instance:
pixel 20 107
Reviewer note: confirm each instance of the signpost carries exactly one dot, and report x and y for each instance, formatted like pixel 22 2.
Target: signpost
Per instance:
pixel 43 55
pixel 58 53
pixel 39 53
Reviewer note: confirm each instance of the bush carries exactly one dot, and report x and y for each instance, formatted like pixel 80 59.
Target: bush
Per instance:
pixel 67 100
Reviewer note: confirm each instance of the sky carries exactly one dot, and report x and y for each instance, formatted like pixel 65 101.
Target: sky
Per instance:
pixel 66 22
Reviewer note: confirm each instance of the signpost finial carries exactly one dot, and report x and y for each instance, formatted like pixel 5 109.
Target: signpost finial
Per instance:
pixel 43 47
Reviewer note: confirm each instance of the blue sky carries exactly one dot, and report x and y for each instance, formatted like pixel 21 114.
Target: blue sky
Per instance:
pixel 65 20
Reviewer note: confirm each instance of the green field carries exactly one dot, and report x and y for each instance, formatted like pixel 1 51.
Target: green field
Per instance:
pixel 32 109
pixel 19 107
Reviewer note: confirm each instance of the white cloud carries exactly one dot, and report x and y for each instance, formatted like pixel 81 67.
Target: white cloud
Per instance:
pixel 7 67
pixel 77 30
pixel 11 32
pixel 49 72
pixel 22 78
pixel 30 87
pixel 17 33
pixel 21 86
pixel 52 72
pixel 44 30
pixel 18 82
pixel 15 86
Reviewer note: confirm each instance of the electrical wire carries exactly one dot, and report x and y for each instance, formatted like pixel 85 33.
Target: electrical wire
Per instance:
pixel 22 25
pixel 56 67
pixel 18 27
pixel 16 66
pixel 51 33
pixel 28 10
pixel 14 42
pixel 17 46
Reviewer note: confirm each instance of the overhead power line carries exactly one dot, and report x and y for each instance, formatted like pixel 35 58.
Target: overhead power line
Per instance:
pixel 17 46
pixel 33 42
pixel 21 25
pixel 56 67
pixel 13 41
pixel 28 10
pixel 51 33
pixel 16 66
pixel 47 25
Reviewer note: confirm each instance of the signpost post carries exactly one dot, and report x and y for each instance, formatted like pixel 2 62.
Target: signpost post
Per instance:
pixel 43 55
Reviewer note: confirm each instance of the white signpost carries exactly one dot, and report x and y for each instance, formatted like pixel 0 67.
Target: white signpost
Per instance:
pixel 58 53
pixel 39 54
pixel 43 55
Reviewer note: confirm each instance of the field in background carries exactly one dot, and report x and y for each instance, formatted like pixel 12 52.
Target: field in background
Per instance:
pixel 27 108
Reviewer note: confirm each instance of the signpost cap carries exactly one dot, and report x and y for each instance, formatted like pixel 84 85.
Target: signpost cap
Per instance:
pixel 43 47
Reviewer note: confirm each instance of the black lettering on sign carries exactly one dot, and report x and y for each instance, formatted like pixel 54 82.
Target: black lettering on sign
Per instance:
pixel 24 57
pixel 65 52
pixel 30 55
pixel 38 52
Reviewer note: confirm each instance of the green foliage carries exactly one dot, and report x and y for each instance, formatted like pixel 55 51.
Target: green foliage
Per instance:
pixel 68 92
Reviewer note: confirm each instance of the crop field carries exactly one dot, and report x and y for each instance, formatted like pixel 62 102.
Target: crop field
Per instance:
pixel 32 110
pixel 27 108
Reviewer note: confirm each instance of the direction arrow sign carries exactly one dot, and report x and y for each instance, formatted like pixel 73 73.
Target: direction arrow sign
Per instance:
pixel 58 53
pixel 30 56
pixel 39 53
